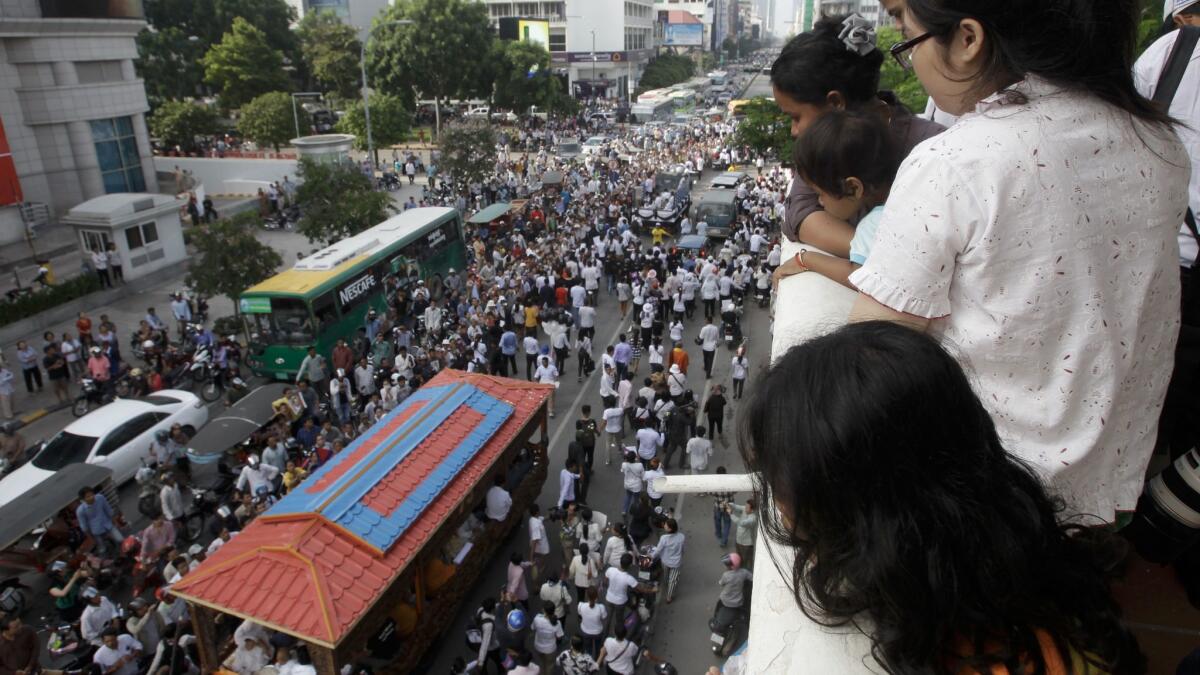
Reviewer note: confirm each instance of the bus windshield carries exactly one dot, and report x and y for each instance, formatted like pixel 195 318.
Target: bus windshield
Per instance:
pixel 714 214
pixel 289 323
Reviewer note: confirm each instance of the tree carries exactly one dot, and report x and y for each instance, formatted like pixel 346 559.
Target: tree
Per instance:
pixel 522 76
pixel 229 258
pixel 270 119
pixel 179 122
pixel 438 55
pixel 892 77
pixel 666 70
pixel 766 128
pixel 180 32
pixel 331 50
pixel 390 121
pixel 244 64
pixel 337 201
pixel 468 153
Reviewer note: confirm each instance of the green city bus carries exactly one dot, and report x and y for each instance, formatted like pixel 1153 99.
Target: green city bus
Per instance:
pixel 325 296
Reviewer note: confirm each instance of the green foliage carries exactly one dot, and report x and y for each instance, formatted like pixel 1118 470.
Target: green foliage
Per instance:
pixel 390 121
pixel 331 50
pixel 766 128
pixel 244 64
pixel 170 62
pixel 440 54
pixel 468 152
pixel 228 325
pixel 229 258
pixel 666 70
pixel 522 76
pixel 179 122
pixel 43 299
pixel 893 78
pixel 270 119
pixel 337 201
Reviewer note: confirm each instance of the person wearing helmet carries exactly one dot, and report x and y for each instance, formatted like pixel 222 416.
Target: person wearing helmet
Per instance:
pixel 733 582
pixel 99 368
pixel 160 449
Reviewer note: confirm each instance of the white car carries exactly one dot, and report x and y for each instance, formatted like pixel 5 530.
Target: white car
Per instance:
pixel 484 112
pixel 116 436
pixel 594 144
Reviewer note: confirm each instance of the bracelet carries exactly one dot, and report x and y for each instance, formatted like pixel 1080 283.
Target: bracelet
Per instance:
pixel 799 258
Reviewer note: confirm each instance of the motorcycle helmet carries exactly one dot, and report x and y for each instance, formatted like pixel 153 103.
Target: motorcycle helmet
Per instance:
pixel 148 345
pixel 516 620
pixel 665 669
pixel 732 560
pixel 96 350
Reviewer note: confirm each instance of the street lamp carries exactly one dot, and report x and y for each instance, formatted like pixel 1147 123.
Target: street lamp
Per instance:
pixel 362 58
pixel 593 87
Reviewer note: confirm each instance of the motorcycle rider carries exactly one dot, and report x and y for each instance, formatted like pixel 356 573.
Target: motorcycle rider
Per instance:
pixel 257 477
pixel 99 368
pixel 733 585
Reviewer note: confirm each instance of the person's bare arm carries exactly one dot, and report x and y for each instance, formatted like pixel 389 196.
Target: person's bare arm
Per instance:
pixel 823 231
pixel 867 308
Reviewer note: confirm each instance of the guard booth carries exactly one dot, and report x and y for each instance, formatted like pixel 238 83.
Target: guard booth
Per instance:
pixel 383 539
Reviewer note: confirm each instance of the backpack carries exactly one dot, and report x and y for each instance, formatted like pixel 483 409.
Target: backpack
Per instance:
pixel 585 433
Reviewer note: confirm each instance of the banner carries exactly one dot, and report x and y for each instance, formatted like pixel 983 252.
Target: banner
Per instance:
pixel 10 184
pixel 683 35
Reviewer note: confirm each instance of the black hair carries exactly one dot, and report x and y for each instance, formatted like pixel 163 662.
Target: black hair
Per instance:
pixel 626 560
pixel 1084 45
pixel 816 62
pixel 903 507
pixel 844 144
pixel 534 509
pixel 550 611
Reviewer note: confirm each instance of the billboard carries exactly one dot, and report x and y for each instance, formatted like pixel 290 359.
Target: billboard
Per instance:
pixel 536 31
pixel 10 184
pixel 683 35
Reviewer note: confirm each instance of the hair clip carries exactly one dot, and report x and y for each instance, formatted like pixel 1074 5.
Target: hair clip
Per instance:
pixel 858 34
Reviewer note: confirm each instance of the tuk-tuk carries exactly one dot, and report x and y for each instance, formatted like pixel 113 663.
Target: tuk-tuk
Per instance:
pixel 38 527
pixel 238 424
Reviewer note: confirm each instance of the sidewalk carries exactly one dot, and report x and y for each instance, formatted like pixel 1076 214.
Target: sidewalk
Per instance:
pixel 126 305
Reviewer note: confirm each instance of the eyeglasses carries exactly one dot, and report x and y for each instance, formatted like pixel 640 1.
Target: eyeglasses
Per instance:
pixel 902 51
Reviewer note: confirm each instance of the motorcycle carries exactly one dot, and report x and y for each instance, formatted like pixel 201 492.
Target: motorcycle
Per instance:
pixel 149 487
pixel 730 628
pixel 91 395
pixel 68 652
pixel 212 389
pixel 201 367
pixel 763 295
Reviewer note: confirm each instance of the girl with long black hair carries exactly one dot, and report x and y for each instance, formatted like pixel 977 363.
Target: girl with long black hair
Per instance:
pixel 911 522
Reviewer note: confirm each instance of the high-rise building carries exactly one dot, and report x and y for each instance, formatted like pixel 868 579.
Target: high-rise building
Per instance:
pixel 357 13
pixel 72 108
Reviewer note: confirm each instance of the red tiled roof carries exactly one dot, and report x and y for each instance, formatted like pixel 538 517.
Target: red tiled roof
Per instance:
pixel 312 565
pixel 682 16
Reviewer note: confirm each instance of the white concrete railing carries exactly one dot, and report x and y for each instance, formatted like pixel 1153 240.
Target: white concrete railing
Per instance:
pixel 782 638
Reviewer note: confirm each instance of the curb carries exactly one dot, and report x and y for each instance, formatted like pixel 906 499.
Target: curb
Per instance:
pixel 35 415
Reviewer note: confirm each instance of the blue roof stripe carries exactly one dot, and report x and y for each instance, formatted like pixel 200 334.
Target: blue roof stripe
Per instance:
pixel 303 501
pixel 348 490
pixel 381 530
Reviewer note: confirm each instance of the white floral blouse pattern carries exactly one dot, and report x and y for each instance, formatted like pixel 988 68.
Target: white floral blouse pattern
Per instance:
pixel 1039 236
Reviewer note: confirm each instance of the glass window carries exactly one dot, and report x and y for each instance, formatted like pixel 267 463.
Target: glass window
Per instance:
pixel 289 323
pixel 133 237
pixel 65 448
pixel 325 311
pixel 150 233
pixel 117 154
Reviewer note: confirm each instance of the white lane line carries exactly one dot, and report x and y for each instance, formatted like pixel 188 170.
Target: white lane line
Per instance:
pixel 568 420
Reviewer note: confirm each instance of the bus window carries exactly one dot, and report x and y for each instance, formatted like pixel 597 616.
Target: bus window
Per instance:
pixel 288 323
pixel 325 311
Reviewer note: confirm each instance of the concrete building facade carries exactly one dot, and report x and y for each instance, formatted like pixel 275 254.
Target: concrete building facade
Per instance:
pixel 71 104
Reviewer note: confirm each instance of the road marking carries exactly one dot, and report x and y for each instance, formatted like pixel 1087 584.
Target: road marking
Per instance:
pixel 565 422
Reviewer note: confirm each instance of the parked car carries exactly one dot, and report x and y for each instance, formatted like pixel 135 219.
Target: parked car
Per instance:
pixel 116 436
pixel 594 145
pixel 484 112
pixel 568 150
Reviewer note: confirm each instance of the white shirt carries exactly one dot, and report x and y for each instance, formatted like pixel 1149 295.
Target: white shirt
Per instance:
pixel 619 655
pixel 498 503
pixel 1184 107
pixel 1064 302
pixel 699 450
pixel 546 373
pixel 537 536
pixel 633 473
pixel 612 419
pixel 546 635
pixel 649 441
pixel 709 337
pixel 737 367
pixel 566 487
pixel 95 619
pixel 530 344
pixel 578 295
pixel 126 647
pixel 619 583
pixel 587 317
pixel 649 476
pixel 591 619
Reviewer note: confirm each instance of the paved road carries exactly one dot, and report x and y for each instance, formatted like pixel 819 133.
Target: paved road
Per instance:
pixel 681 628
